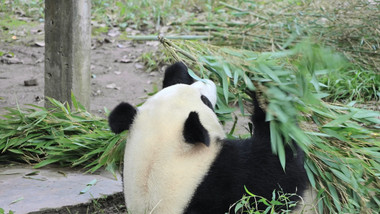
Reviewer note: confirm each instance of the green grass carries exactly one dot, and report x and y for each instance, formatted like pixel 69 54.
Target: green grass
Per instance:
pixel 340 80
pixel 279 203
pixel 2 211
pixel 28 8
pixel 154 60
pixel 96 31
pixel 11 23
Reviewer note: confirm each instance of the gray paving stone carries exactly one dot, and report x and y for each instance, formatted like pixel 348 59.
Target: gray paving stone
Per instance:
pixel 51 187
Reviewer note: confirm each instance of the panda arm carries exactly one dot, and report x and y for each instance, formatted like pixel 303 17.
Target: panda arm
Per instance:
pixel 121 118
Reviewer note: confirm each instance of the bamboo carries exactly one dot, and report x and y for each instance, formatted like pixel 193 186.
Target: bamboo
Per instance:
pixel 155 37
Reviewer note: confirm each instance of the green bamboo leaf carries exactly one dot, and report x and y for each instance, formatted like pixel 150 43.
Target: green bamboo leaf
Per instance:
pixel 238 206
pixel 341 119
pixel 248 83
pixel 236 77
pixel 225 87
pixel 193 75
pixel 278 112
pixel 320 202
pixel 249 193
pixel 232 52
pixel 68 108
pixel 341 175
pixel 361 113
pixel 58 104
pixel 17 200
pixel 241 105
pixel 273 136
pixel 281 153
pixel 310 175
pixel 74 101
pixel 267 70
pixel 335 134
pixel 227 70
pixel 46 162
pixel 95 168
pixel 16 151
pixel 35 151
pixel 42 113
pixel 335 196
pixel 265 202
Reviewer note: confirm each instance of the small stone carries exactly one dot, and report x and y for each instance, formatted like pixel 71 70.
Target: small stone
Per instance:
pixel 113 32
pixel 107 40
pixel 126 60
pixel 139 66
pixel 31 82
pixel 111 86
pixel 39 44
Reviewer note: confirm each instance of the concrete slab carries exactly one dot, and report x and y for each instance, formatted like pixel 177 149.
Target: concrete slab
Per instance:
pixel 24 189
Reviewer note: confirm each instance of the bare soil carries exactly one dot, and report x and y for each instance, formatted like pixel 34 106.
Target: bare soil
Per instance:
pixel 112 80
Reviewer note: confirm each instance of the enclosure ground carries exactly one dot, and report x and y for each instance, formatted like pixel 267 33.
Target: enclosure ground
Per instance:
pixel 116 75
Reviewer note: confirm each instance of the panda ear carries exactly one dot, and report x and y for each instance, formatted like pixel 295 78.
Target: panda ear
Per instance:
pixel 121 117
pixel 175 74
pixel 194 132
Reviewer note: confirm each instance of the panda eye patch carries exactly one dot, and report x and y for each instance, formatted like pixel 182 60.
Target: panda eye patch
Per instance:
pixel 207 102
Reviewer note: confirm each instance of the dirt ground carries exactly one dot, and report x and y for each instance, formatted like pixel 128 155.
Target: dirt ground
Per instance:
pixel 112 81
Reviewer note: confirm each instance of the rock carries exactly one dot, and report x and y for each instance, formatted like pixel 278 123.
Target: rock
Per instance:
pixel 31 82
pixel 11 60
pixel 111 86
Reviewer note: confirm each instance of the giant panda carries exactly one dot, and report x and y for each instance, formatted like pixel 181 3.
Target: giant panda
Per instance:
pixel 178 159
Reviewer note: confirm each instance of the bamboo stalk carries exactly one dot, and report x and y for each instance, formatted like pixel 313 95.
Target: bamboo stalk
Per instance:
pixel 241 10
pixel 155 37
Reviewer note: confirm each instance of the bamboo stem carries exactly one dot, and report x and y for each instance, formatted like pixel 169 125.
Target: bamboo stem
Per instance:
pixel 155 37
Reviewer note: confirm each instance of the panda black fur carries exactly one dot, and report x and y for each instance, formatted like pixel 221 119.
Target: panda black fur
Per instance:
pixel 177 159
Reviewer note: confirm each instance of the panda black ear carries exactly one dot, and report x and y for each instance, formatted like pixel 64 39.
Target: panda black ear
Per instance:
pixel 194 132
pixel 175 74
pixel 121 117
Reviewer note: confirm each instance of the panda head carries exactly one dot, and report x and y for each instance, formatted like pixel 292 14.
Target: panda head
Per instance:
pixel 182 103
pixel 172 141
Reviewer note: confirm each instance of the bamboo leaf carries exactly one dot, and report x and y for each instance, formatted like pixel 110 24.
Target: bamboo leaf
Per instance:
pixel 341 119
pixel 310 175
pixel 335 196
pixel 46 162
pixel 341 176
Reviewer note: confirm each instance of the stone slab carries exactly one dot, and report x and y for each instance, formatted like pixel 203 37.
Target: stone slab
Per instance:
pixel 24 189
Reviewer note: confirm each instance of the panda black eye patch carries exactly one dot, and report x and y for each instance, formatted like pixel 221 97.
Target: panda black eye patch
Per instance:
pixel 207 102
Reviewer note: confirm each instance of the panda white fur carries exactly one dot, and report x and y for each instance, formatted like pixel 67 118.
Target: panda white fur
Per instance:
pixel 178 160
